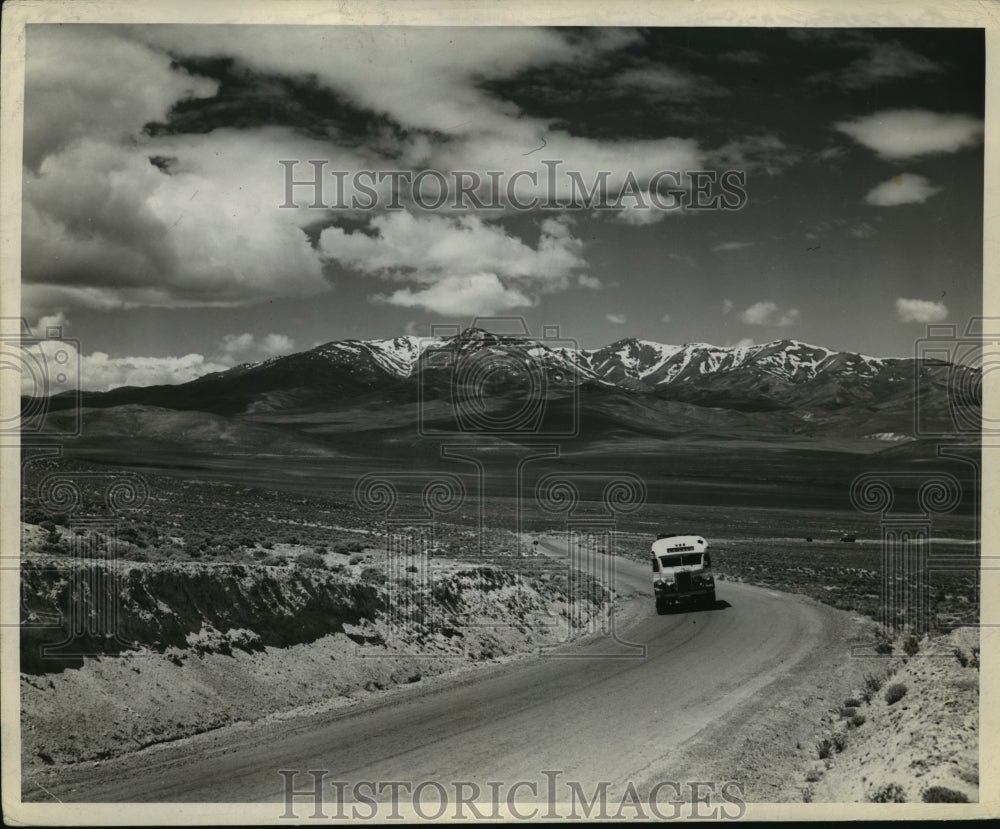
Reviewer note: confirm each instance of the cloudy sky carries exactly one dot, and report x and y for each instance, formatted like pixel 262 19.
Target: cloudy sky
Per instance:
pixel 152 182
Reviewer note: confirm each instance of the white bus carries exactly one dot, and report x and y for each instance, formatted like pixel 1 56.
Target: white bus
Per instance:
pixel 682 571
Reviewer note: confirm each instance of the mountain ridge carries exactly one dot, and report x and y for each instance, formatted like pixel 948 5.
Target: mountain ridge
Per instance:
pixel 400 355
pixel 503 372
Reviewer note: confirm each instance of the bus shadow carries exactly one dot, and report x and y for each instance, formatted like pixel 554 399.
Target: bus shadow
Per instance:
pixel 718 604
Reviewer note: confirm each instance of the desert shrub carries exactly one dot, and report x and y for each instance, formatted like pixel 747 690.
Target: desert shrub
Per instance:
pixel 132 535
pixel 268 545
pixel 310 560
pixel 356 559
pixel 942 794
pixel 974 660
pixel 337 568
pixel 848 711
pixel 412 568
pixel 883 646
pixel 962 657
pixel 970 775
pixel 445 593
pixel 894 693
pixel 840 741
pixel 911 645
pixel 858 720
pixel 134 554
pixel 372 575
pixel 872 686
pixel 889 793
pixel 321 550
pixel 824 748
pixel 33 515
pixel 47 525
pixel 259 555
pixel 54 545
pixel 852 702
pixel 813 775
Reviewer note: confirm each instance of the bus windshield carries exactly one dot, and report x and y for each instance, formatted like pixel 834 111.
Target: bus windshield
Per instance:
pixel 682 560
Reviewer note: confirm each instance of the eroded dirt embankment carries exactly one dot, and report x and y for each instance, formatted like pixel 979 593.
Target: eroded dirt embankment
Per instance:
pixel 199 646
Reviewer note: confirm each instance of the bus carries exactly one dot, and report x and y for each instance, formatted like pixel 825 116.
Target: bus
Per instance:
pixel 682 572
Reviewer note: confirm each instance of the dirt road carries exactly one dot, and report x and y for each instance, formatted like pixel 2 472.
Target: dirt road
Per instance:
pixel 589 715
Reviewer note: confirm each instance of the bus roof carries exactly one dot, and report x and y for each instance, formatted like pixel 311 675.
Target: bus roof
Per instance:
pixel 679 544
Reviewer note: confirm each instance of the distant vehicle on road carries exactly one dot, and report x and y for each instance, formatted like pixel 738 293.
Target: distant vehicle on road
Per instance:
pixel 682 571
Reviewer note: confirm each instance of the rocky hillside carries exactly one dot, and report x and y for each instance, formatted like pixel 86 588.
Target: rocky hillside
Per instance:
pixel 200 645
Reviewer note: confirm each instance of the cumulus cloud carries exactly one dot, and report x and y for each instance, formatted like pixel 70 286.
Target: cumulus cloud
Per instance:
pixel 745 342
pixel 588 281
pixel 727 306
pixel 447 95
pixel 768 313
pixel 724 246
pixel 66 368
pixel 426 247
pixel 921 310
pixel 277 344
pixel 207 233
pixel 906 188
pixel 48 322
pixel 441 96
pixel 246 347
pixel 69 95
pixel 116 216
pixel 460 296
pixel 617 319
pixel 632 213
pixel 237 343
pixel 99 372
pixel 457 261
pixel 910 133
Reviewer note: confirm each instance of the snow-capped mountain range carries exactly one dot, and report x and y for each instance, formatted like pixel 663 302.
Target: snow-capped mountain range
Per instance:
pixel 631 362
pixel 786 375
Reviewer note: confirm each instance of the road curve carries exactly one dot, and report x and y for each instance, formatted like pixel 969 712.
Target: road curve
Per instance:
pixel 587 716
